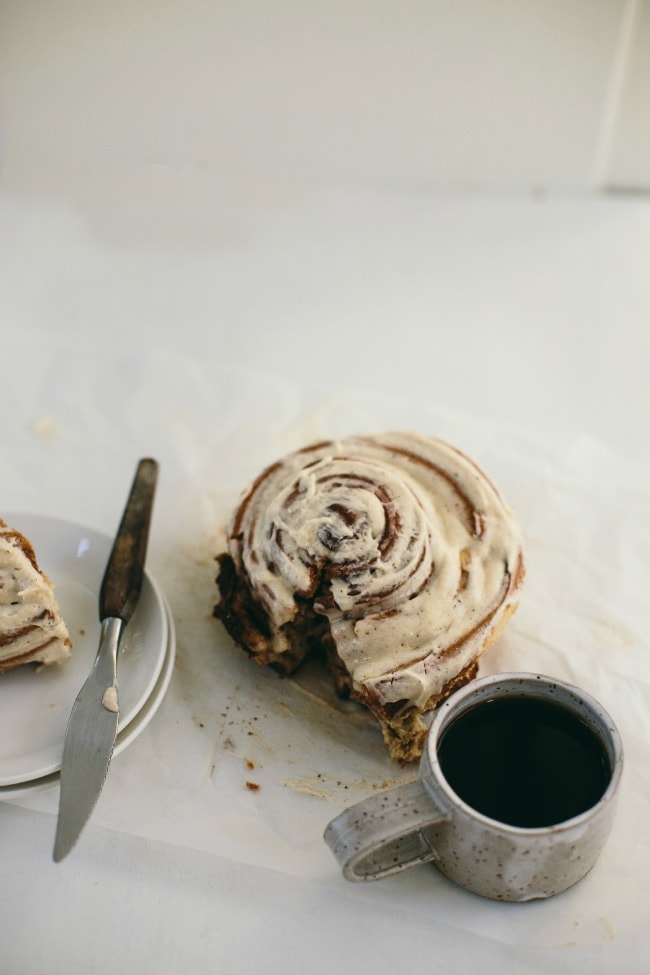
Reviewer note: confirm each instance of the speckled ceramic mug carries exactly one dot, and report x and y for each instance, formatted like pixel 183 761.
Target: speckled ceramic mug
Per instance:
pixel 428 820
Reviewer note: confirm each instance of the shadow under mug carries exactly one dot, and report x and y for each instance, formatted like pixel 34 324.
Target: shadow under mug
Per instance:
pixel 535 764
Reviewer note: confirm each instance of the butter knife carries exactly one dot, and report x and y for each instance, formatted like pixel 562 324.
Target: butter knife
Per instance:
pixel 92 725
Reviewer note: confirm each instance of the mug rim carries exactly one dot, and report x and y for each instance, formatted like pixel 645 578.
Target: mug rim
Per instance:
pixel 453 708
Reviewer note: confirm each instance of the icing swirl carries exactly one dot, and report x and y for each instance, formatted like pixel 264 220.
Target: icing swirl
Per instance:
pixel 400 540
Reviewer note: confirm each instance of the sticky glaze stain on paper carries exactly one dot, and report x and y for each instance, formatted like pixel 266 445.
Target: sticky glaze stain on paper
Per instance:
pixel 614 634
pixel 309 785
pixel 324 787
pixel 46 429
pixel 590 935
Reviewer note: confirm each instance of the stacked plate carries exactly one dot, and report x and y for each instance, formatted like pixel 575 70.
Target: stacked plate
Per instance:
pixel 35 703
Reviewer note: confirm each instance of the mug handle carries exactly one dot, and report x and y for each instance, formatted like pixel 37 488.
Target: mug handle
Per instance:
pixel 386 833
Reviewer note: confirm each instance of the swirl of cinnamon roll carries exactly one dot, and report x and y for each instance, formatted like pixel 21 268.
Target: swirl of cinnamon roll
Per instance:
pixel 31 627
pixel 395 552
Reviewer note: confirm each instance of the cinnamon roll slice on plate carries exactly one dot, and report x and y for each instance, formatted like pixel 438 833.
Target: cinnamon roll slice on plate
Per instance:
pixel 393 554
pixel 31 627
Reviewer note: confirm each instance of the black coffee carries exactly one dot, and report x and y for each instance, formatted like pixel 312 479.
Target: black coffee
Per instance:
pixel 524 761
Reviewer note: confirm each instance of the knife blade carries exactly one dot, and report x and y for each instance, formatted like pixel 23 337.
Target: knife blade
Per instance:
pixel 93 722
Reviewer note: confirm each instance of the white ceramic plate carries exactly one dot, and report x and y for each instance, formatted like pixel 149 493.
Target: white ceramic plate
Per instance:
pixel 124 737
pixel 35 703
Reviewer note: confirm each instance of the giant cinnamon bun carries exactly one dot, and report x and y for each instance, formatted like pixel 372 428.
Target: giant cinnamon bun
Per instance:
pixel 393 553
pixel 31 627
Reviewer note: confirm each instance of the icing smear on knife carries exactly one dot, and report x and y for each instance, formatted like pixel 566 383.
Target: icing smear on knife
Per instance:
pixel 109 700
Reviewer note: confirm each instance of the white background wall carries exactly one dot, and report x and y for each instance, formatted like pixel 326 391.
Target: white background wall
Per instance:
pixel 250 97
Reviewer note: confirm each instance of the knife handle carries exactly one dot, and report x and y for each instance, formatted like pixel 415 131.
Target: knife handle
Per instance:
pixel 122 582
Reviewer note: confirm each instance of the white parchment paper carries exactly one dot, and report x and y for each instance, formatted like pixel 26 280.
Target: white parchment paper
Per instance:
pixel 245 765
